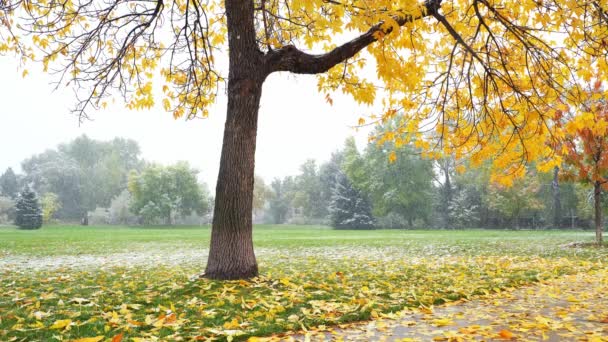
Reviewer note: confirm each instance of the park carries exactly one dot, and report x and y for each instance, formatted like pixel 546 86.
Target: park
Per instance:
pixel 143 284
pixel 429 170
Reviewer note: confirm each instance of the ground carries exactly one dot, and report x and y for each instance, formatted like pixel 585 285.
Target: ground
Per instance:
pixel 141 284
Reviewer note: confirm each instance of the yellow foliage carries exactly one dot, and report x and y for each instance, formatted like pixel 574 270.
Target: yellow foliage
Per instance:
pixel 478 79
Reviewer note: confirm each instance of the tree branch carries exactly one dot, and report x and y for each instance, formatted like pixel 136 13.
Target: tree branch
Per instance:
pixel 290 58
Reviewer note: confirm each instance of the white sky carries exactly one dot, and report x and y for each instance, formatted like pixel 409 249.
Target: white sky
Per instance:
pixel 295 124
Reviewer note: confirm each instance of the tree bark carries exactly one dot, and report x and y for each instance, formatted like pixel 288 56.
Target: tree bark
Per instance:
pixel 597 198
pixel 557 205
pixel 231 254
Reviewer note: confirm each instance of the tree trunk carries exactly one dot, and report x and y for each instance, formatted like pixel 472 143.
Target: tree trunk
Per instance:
pixel 597 198
pixel 557 204
pixel 231 254
pixel 447 195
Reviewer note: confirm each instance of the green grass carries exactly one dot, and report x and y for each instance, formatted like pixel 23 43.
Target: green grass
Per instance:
pixel 74 240
pixel 139 281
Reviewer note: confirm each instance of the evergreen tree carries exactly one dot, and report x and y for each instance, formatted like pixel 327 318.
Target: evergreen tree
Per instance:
pixel 349 209
pixel 28 212
pixel 9 185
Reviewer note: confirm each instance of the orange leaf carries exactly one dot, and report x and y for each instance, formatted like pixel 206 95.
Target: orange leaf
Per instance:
pixel 117 338
pixel 132 322
pixel 505 334
pixel 170 319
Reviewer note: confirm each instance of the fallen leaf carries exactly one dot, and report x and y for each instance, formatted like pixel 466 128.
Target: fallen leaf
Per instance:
pixel 505 334
pixel 89 339
pixel 60 324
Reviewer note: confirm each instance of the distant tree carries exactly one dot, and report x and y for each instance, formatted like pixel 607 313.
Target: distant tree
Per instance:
pixel 166 192
pixel 54 171
pixel 84 173
pixel 328 173
pixel 279 205
pixel 446 191
pixel 120 212
pixel 517 201
pixel 28 213
pixel 469 189
pixel 463 211
pixel 557 203
pixel 9 185
pixel 7 210
pixel 397 181
pixel 308 192
pixel 104 167
pixel 261 193
pixel 349 208
pixel 50 205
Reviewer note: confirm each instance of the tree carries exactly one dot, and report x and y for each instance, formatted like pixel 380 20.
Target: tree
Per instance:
pixel 309 187
pixel 9 185
pixel 83 173
pixel 349 209
pixel 53 171
pixel 261 195
pixel 397 181
pixel 517 200
pixel 7 210
pixel 28 213
pixel 166 192
pixel 328 173
pixel 50 205
pixel 483 74
pixel 279 204
pixel 104 167
pixel 557 204
pixel 585 147
pixel 120 212
pixel 463 212
pixel 446 196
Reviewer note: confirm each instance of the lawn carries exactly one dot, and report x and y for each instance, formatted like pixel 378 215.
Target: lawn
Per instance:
pixel 130 284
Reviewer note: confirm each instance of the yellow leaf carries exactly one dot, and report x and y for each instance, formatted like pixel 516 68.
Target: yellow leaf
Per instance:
pixel 60 324
pixel 24 73
pixel 89 339
pixel 442 322
pixel 232 324
pixel 392 157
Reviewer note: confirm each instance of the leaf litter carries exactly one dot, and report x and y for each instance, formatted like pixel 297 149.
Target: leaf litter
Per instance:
pixel 157 296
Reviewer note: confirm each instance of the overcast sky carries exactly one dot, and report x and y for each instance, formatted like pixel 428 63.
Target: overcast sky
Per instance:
pixel 295 124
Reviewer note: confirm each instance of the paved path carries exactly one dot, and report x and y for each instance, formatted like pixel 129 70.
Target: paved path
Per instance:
pixel 569 308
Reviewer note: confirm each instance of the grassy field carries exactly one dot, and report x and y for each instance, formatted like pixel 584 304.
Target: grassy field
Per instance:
pixel 140 284
pixel 74 240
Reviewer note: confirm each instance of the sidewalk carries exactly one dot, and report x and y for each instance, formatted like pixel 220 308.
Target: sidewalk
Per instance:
pixel 569 308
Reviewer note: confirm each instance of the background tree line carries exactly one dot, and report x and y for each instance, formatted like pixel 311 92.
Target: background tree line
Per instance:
pixel 106 182
pixel 388 185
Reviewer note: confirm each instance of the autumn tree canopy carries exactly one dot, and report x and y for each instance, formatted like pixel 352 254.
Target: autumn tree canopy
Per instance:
pixel 478 78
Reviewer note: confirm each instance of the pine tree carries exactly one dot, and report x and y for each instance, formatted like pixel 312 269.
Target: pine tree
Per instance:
pixel 349 209
pixel 29 214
